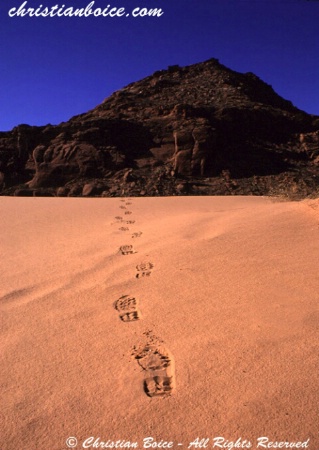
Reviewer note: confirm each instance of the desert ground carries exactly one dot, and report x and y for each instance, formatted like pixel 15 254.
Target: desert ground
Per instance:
pixel 181 319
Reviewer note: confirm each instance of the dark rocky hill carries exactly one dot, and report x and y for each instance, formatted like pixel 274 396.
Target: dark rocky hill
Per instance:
pixel 196 130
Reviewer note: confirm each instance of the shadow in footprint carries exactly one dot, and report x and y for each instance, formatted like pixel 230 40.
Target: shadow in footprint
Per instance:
pixel 130 316
pixel 159 385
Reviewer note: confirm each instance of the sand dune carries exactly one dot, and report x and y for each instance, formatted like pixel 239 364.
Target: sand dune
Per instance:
pixel 172 318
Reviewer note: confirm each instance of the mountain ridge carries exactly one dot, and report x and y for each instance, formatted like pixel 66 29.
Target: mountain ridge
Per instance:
pixel 164 135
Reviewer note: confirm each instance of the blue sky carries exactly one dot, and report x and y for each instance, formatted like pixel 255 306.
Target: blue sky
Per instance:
pixel 55 67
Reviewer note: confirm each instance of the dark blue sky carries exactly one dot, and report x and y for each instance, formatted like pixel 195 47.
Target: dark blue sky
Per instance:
pixel 53 68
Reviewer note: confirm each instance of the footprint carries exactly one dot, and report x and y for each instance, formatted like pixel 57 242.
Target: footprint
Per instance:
pixel 144 269
pixel 159 367
pixel 128 203
pixel 127 249
pixel 123 200
pixel 127 307
pixel 119 218
pixel 130 222
pixel 136 235
pixel 123 207
pixel 128 212
pixel 124 228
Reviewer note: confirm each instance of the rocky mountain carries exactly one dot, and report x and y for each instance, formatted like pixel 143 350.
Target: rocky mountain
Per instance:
pixel 195 130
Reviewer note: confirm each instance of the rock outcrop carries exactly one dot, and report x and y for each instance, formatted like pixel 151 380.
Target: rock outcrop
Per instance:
pixel 176 132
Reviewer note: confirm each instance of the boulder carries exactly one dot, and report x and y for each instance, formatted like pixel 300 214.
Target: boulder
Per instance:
pixel 57 166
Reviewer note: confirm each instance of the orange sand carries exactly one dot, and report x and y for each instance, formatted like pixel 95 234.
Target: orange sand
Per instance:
pixel 231 304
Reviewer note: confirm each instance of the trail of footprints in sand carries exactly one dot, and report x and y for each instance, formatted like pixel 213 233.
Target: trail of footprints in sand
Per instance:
pixel 154 358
